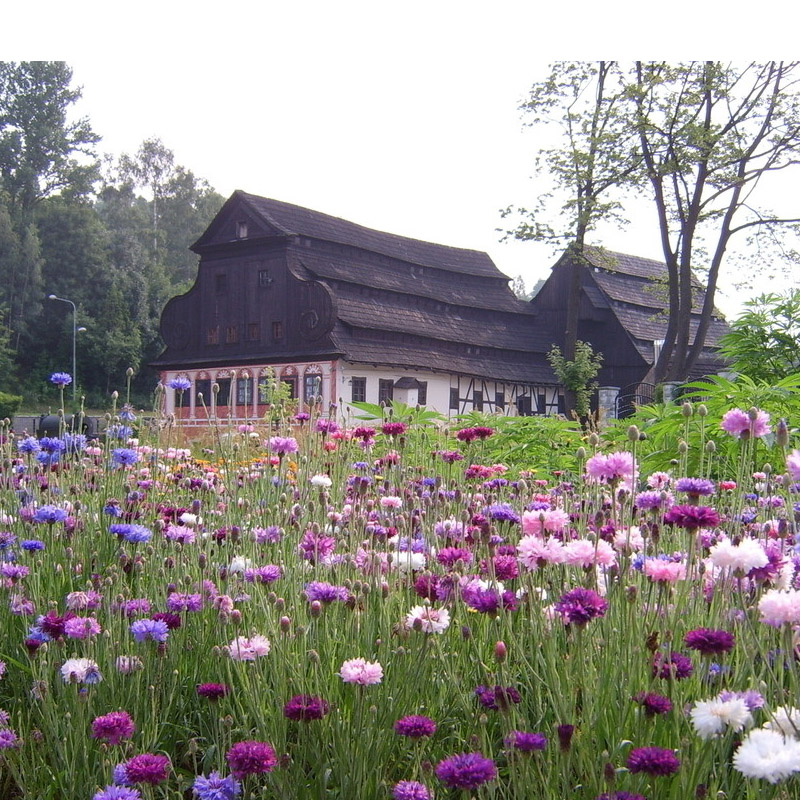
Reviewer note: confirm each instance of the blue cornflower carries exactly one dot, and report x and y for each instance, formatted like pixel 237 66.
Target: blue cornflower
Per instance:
pixel 51 445
pixel 215 787
pixel 154 629
pixel 112 509
pixel 74 442
pixel 32 544
pixel 124 456
pixel 117 793
pixel 119 432
pixel 7 539
pixel 61 378
pixel 127 413
pixel 50 514
pixel 47 459
pixel 180 384
pixel 30 444
pixel 135 534
pixel 502 512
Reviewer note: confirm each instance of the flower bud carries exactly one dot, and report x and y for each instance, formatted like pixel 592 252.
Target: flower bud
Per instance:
pixel 500 652
pixel 686 409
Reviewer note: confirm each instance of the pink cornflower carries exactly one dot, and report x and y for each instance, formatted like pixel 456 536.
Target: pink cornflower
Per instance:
pixel 665 571
pixel 780 607
pixel 744 424
pixel 428 619
pixel 552 520
pixel 793 465
pixel 534 552
pixel 391 502
pixel 81 627
pixel 586 553
pixel 358 670
pixel 244 648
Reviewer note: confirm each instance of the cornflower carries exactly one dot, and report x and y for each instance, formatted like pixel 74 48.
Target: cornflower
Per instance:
pixel 250 758
pixel 466 771
pixel 113 727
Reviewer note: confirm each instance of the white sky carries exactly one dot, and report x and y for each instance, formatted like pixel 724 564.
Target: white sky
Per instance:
pixel 398 116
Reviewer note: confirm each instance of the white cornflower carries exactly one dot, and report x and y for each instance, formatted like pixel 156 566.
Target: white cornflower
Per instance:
pixel 767 754
pixel 321 481
pixel 786 721
pixel 430 620
pixel 711 717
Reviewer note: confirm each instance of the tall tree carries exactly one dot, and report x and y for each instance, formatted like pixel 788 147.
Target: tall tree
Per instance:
pixel 702 136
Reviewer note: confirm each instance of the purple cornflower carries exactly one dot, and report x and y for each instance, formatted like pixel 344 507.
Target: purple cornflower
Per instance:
pixel 326 426
pixel 315 546
pixel 526 742
pixel 270 535
pixel 497 698
pixel 212 691
pixel 655 761
pixel 325 592
pixel 648 501
pixel 502 512
pixel 117 793
pixel 448 556
pixel 410 790
pixel 155 629
pixel 653 703
pixel 251 757
pixel 8 739
pixel 692 517
pixel 579 606
pixel 620 796
pixel 283 445
pixel 415 726
pixel 672 665
pixel 61 379
pixel 266 574
pixel 466 770
pixel 565 734
pixel 489 601
pixel 215 787
pixel 81 627
pixel 124 456
pixel 172 621
pixel 710 642
pixel 177 602
pixel 752 698
pixel 113 727
pixel 695 487
pixel 145 768
pixel 306 708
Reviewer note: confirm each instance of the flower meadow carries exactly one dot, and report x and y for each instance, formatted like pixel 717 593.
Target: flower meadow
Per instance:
pixel 318 607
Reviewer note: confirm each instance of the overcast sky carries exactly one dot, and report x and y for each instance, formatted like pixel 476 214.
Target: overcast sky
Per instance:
pixel 398 116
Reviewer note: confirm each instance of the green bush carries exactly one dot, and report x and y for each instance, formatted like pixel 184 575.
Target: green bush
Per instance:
pixel 9 404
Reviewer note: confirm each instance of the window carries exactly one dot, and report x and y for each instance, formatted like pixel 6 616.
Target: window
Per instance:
pixel 385 390
pixel 477 401
pixel 241 230
pixel 499 400
pixel 221 283
pixel 359 390
pixel 292 384
pixel 203 387
pixel 224 394
pixel 277 330
pixel 422 393
pixel 454 398
pixel 312 388
pixel 231 334
pixel 562 404
pixel 264 279
pixel 212 336
pixel 253 331
pixel 264 393
pixel 541 403
pixel 524 405
pixel 243 391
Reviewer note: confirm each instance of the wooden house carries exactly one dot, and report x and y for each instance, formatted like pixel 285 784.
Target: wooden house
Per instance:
pixel 343 313
pixel 623 305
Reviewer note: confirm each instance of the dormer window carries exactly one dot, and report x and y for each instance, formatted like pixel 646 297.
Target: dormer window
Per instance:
pixel 241 230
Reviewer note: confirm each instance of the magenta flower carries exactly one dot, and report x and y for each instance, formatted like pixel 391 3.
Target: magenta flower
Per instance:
pixel 146 768
pixel 672 665
pixel 580 606
pixel 283 445
pixel 212 691
pixel 497 698
pixel 393 428
pixel 415 726
pixel 655 761
pixel 410 790
pixel 466 771
pixel 692 517
pixel 251 757
pixel 526 742
pixel 653 703
pixel 305 708
pixel 357 670
pixel 113 727
pixel 710 642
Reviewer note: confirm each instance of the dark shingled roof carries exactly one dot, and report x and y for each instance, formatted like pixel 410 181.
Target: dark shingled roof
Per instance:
pixel 295 220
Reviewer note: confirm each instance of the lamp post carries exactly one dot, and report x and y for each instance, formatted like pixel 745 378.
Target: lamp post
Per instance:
pixel 74 339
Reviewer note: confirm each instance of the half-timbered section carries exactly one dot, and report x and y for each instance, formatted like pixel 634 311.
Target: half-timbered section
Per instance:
pixel 344 314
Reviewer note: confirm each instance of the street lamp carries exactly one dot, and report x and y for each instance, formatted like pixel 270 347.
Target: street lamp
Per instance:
pixel 75 330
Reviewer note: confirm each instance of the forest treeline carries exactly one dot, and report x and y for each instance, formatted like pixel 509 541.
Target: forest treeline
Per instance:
pixel 110 233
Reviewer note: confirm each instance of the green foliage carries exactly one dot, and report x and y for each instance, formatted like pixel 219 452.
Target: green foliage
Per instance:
pixel 578 375
pixel 397 411
pixel 9 404
pixel 764 341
